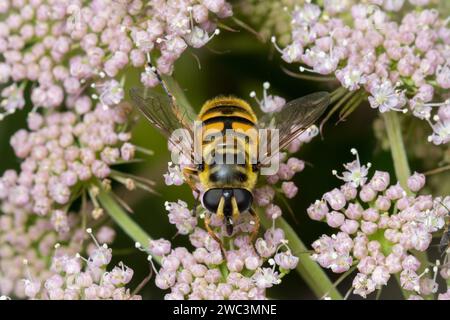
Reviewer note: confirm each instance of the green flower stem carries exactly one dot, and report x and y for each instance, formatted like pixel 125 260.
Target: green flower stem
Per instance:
pixel 310 271
pixel 398 152
pixel 401 165
pixel 122 218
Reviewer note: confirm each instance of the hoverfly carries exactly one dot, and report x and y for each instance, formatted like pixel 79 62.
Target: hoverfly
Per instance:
pixel 226 186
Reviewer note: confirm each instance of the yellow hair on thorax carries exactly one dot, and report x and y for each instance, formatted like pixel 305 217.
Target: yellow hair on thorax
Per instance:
pixel 227 101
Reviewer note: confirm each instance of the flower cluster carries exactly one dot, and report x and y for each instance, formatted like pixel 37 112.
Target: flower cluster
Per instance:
pixel 246 273
pixel 65 154
pixel 380 226
pixel 22 236
pixel 396 58
pixel 72 277
pixel 71 49
pixel 268 17
pixel 416 146
pixel 25 236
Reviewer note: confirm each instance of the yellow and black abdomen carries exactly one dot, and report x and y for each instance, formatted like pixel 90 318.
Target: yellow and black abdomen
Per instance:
pixel 229 140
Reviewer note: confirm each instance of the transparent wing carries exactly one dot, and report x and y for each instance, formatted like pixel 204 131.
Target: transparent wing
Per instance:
pixel 161 111
pixel 295 117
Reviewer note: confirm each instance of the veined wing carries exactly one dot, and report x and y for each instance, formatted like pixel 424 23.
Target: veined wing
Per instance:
pixel 164 114
pixel 294 118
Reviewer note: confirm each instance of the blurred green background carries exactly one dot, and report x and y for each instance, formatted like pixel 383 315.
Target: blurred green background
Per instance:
pixel 234 63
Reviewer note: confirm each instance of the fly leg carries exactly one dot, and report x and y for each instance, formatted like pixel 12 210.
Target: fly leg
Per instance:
pixel 196 203
pixel 213 235
pixel 150 68
pixel 189 175
pixel 143 282
pixel 256 225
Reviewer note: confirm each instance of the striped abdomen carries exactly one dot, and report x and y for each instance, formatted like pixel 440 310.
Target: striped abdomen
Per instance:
pixel 228 141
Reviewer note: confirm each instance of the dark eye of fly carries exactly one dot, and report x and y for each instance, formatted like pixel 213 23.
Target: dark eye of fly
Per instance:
pixel 244 199
pixel 211 199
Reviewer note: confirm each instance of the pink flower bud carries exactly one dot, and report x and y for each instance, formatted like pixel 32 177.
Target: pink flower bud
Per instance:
pixel 367 194
pixel 380 181
pixel 264 195
pixel 366 265
pixel 159 247
pixel 371 214
pixel 335 219
pixel 416 182
pixel 289 189
pixel 335 199
pixel 354 211
pixel 382 203
pixel 317 210
pixel 380 275
pixel 286 260
pixel 164 280
pixel 100 169
pixel 368 227
pixel 295 164
pixel 349 191
pixel 395 192
pixel 350 226
pixel 273 211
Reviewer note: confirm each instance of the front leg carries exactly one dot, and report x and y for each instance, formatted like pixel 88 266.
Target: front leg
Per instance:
pixel 213 234
pixel 256 226
pixel 190 175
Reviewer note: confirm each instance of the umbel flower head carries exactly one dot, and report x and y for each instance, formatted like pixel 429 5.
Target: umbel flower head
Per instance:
pixel 72 277
pixel 269 18
pixel 25 236
pixel 394 52
pixel 66 155
pixel 380 226
pixel 248 270
pixel 71 49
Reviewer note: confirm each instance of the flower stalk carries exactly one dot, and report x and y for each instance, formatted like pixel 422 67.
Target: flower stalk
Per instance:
pixel 123 220
pixel 397 147
pixel 401 166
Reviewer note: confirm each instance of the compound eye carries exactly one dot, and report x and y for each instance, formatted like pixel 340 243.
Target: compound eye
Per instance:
pixel 211 199
pixel 244 199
